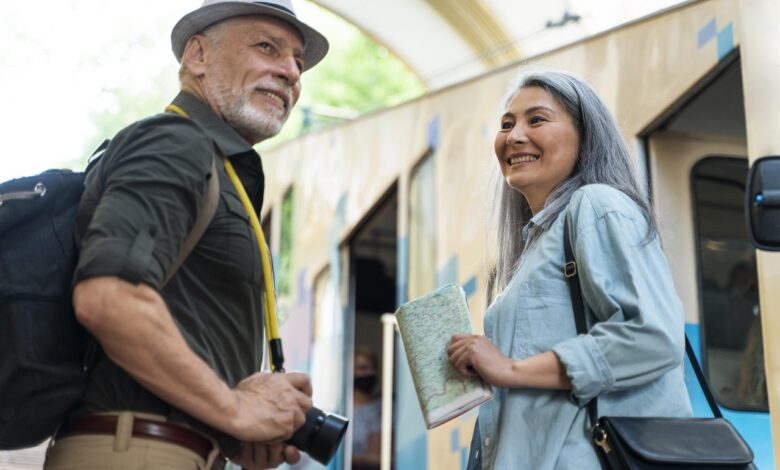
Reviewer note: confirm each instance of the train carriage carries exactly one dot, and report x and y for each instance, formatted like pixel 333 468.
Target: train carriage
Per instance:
pixel 367 214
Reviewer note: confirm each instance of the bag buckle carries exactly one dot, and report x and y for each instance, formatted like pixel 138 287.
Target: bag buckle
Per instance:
pixel 600 438
pixel 570 269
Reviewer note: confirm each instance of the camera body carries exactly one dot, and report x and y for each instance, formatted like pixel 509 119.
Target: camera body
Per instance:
pixel 320 435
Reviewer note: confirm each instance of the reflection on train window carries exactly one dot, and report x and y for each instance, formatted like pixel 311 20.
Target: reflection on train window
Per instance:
pixel 422 228
pixel 328 344
pixel 731 321
pixel 284 277
pixel 266 225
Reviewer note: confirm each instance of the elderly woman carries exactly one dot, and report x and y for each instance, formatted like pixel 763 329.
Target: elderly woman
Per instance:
pixel 562 157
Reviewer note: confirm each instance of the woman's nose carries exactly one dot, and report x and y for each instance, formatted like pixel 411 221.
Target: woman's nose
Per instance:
pixel 517 135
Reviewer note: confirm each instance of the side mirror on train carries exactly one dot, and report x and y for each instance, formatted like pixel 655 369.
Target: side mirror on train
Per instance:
pixel 762 203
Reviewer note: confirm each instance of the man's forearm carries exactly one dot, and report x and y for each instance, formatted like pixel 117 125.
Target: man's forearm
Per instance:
pixel 137 332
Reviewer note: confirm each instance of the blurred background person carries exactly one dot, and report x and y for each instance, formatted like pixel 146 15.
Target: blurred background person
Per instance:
pixel 367 420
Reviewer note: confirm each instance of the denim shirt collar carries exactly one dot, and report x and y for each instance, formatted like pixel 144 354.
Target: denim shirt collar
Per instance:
pixel 535 224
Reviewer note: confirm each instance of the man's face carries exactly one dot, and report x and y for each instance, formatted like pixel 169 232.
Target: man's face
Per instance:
pixel 253 73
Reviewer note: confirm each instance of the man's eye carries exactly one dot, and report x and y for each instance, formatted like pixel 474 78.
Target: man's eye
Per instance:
pixel 265 45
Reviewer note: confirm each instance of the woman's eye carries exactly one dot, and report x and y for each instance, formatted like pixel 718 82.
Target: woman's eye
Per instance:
pixel 506 125
pixel 536 119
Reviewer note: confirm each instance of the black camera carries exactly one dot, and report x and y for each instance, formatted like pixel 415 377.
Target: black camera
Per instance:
pixel 320 435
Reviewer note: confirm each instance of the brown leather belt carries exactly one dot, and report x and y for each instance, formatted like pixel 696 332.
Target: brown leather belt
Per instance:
pixel 143 428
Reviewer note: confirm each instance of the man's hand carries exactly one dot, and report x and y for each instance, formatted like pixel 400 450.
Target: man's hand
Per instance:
pixel 262 456
pixel 270 407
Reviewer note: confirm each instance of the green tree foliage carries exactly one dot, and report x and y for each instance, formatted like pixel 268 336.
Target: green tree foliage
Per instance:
pixel 284 279
pixel 361 76
pixel 357 76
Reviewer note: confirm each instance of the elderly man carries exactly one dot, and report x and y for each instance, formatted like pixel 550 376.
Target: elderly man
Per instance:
pixel 177 382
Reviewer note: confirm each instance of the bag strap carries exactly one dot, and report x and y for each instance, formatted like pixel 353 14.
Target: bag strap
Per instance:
pixel 572 276
pixel 705 386
pixel 570 272
pixel 201 223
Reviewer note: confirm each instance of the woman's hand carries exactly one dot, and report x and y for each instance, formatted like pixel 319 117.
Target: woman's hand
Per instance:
pixel 476 355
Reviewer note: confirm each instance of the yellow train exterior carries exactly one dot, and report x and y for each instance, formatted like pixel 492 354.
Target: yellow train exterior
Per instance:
pixel 367 214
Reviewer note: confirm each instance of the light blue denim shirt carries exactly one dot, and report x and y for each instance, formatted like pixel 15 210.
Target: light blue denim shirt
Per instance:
pixel 631 357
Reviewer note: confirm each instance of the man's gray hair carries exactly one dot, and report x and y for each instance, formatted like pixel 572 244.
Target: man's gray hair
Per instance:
pixel 602 158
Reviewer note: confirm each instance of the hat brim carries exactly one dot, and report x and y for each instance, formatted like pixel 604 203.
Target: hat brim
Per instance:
pixel 315 46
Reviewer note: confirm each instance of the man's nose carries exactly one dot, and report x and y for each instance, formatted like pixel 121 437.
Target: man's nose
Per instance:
pixel 287 69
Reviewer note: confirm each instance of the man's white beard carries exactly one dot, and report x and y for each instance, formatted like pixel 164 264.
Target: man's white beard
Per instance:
pixel 237 110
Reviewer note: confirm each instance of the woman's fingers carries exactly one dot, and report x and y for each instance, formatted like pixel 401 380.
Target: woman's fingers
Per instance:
pixel 460 358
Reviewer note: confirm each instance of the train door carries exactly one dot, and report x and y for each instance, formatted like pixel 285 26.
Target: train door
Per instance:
pixel 698 168
pixel 373 265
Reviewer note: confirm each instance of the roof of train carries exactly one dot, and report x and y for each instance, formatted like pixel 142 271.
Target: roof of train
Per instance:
pixel 446 42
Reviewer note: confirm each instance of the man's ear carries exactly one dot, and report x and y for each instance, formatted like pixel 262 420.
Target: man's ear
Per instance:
pixel 194 57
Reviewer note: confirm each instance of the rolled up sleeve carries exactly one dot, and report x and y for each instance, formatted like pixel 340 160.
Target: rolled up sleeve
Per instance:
pixel 152 184
pixel 636 317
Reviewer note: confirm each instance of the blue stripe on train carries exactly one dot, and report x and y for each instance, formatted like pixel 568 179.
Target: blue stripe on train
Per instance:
pixel 754 426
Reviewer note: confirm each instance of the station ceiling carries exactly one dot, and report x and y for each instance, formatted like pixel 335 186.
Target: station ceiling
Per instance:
pixel 448 41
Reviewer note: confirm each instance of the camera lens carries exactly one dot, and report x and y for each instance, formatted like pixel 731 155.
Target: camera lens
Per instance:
pixel 320 435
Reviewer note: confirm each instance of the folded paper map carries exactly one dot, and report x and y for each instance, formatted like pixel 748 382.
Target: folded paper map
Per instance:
pixel 427 325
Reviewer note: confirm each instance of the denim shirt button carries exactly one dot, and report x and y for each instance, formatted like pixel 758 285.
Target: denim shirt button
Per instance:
pixel 487 442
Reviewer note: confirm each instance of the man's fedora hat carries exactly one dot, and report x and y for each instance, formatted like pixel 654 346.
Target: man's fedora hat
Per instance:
pixel 213 11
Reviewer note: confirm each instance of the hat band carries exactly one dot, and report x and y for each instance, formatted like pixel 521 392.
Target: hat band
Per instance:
pixel 275 6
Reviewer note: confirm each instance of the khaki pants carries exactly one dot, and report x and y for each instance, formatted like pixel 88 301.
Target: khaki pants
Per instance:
pixel 122 451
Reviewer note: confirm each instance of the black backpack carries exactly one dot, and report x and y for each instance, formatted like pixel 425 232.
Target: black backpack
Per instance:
pixel 42 345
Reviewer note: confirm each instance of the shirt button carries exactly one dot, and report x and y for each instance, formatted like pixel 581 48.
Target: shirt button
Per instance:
pixel 487 442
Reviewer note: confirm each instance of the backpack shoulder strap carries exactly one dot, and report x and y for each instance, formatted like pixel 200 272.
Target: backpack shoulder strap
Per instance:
pixel 201 223
pixel 199 228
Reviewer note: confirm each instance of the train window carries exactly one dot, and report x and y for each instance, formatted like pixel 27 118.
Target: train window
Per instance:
pixel 422 228
pixel 730 316
pixel 328 342
pixel 284 276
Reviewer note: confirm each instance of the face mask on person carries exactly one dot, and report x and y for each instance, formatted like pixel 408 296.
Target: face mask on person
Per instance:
pixel 366 383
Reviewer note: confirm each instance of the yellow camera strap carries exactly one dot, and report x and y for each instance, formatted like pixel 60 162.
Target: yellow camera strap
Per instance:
pixel 272 328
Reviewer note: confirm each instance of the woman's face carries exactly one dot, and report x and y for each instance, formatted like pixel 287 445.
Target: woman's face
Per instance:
pixel 536 145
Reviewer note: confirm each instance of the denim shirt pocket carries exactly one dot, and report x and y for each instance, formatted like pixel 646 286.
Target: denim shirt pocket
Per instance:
pixel 546 317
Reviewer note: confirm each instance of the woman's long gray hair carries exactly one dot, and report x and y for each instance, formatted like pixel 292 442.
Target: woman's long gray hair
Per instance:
pixel 603 158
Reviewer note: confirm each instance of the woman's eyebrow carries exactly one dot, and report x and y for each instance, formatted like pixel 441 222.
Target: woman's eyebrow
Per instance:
pixel 534 109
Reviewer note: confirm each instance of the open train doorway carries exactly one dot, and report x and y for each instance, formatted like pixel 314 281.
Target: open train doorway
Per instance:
pixel 698 166
pixel 373 259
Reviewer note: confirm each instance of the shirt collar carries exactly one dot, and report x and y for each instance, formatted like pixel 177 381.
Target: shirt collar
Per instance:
pixel 535 224
pixel 229 142
pixel 244 158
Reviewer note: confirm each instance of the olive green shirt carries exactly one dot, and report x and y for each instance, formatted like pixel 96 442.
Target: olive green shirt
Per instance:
pixel 139 204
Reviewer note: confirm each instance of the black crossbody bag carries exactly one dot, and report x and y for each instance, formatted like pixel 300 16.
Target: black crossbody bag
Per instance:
pixel 631 443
